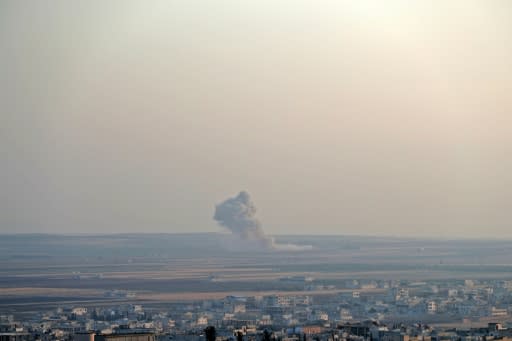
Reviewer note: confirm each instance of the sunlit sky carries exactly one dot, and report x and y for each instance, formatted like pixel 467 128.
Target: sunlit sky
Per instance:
pixel 338 117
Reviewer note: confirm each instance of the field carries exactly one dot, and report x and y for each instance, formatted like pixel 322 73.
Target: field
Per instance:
pixel 40 272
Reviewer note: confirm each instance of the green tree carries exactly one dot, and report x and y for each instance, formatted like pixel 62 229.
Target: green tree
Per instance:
pixel 210 333
pixel 266 335
pixel 239 336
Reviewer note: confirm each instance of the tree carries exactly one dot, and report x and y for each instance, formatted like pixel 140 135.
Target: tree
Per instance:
pixel 266 335
pixel 210 333
pixel 239 336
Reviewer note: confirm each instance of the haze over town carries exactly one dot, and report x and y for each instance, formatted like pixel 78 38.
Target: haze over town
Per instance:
pixel 271 170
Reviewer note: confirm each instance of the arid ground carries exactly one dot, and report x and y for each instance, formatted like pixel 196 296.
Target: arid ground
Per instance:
pixel 43 271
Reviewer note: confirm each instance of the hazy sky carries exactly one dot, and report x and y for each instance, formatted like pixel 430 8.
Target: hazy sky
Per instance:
pixel 338 117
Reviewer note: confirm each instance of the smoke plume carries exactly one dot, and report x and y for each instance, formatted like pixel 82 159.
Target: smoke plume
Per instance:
pixel 238 216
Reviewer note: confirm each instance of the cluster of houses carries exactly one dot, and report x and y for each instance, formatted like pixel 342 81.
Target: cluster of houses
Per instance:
pixel 365 310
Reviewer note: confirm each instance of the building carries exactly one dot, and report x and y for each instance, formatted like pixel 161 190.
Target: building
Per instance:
pixel 15 336
pixel 431 307
pixel 120 336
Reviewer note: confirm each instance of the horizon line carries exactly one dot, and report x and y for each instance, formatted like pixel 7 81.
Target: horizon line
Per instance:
pixel 383 236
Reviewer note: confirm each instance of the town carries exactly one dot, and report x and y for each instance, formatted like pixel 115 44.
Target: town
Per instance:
pixel 376 310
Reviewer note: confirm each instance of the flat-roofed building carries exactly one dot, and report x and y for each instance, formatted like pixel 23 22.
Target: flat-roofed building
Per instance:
pixel 125 336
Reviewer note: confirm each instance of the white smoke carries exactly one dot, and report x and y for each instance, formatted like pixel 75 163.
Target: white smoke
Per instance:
pixel 238 216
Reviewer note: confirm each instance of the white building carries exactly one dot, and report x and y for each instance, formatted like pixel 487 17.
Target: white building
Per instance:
pixel 496 312
pixel 202 321
pixel 239 308
pixel 321 316
pixel 345 315
pixel 79 311
pixel 431 307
